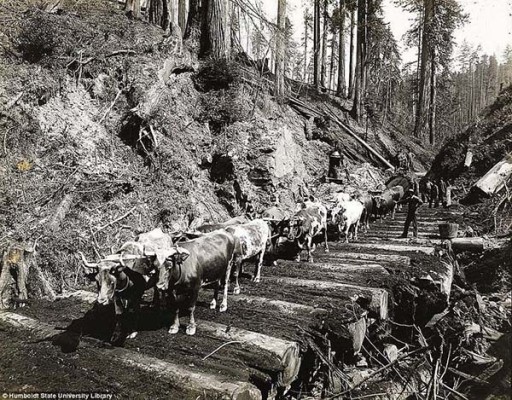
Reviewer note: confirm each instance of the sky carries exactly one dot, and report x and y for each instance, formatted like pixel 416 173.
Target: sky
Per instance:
pixel 489 25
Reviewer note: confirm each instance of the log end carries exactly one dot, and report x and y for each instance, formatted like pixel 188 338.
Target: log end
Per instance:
pixel 246 392
pixel 291 364
pixel 358 332
pixel 383 304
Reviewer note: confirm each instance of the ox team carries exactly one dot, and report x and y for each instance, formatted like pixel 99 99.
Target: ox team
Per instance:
pixel 176 266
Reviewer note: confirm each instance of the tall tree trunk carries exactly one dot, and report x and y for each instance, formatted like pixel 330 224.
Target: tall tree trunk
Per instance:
pixel 340 90
pixel 280 50
pixel 324 45
pixel 334 45
pixel 361 67
pixel 158 13
pixel 182 15
pixel 316 45
pixel 306 38
pixel 132 7
pixel 351 70
pixel 433 95
pixel 193 28
pixel 426 44
pixel 215 33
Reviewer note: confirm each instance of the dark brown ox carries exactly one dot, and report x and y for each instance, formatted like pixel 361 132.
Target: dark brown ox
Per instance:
pixel 387 201
pixel 122 279
pixel 368 203
pixel 250 242
pixel 310 221
pixel 203 260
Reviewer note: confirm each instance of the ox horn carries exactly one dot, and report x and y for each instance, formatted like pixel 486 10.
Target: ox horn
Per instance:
pixel 87 263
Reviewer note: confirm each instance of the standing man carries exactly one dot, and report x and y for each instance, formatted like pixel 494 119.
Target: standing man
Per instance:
pixel 434 195
pixel 413 203
pixel 442 192
pixel 425 193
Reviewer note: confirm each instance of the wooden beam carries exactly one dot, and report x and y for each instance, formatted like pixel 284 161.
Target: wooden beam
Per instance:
pixel 377 298
pixel 288 352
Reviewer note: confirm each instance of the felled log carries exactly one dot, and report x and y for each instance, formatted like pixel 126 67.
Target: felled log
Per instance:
pixel 361 141
pixel 377 299
pixel 390 247
pixel 287 352
pixel 396 260
pixel 284 306
pixel 496 178
pixel 347 326
pixel 197 382
pixel 472 244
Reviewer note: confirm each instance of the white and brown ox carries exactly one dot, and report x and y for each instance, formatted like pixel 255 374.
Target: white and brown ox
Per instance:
pixel 251 240
pixel 205 259
pixel 346 216
pixel 310 221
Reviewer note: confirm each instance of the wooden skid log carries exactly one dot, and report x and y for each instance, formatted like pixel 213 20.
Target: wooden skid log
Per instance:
pixel 389 247
pixel 420 241
pixel 377 298
pixel 475 244
pixel 288 352
pixel 396 260
pixel 353 274
pixel 197 382
pixel 353 333
pixel 283 306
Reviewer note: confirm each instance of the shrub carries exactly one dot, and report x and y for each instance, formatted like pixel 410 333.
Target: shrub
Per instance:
pixel 222 108
pixel 218 75
pixel 37 38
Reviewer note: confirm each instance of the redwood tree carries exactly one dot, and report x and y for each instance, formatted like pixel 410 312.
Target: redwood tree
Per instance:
pixel 280 50
pixel 215 32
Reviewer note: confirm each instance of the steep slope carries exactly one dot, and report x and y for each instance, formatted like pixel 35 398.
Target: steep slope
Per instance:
pixel 110 129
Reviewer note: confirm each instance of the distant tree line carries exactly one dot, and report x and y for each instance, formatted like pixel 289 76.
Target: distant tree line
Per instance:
pixel 348 50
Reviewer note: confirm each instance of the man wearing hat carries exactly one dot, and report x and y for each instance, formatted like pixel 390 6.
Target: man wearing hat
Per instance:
pixel 413 202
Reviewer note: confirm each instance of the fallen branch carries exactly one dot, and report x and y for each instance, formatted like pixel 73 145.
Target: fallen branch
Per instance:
pixel 220 347
pixel 116 220
pixel 453 391
pixel 377 372
pixel 119 91
pixel 14 101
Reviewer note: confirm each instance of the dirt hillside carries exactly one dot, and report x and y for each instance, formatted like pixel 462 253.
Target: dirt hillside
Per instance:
pixel 110 129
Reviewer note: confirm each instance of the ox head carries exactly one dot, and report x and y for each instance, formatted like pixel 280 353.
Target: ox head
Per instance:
pixel 293 228
pixel 107 274
pixel 339 218
pixel 172 263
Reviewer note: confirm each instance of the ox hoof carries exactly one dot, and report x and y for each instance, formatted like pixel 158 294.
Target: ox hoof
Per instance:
pixel 257 279
pixel 132 335
pixel 236 290
pixel 327 250
pixel 174 330
pixel 223 307
pixel 213 304
pixel 191 330
pixel 274 263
